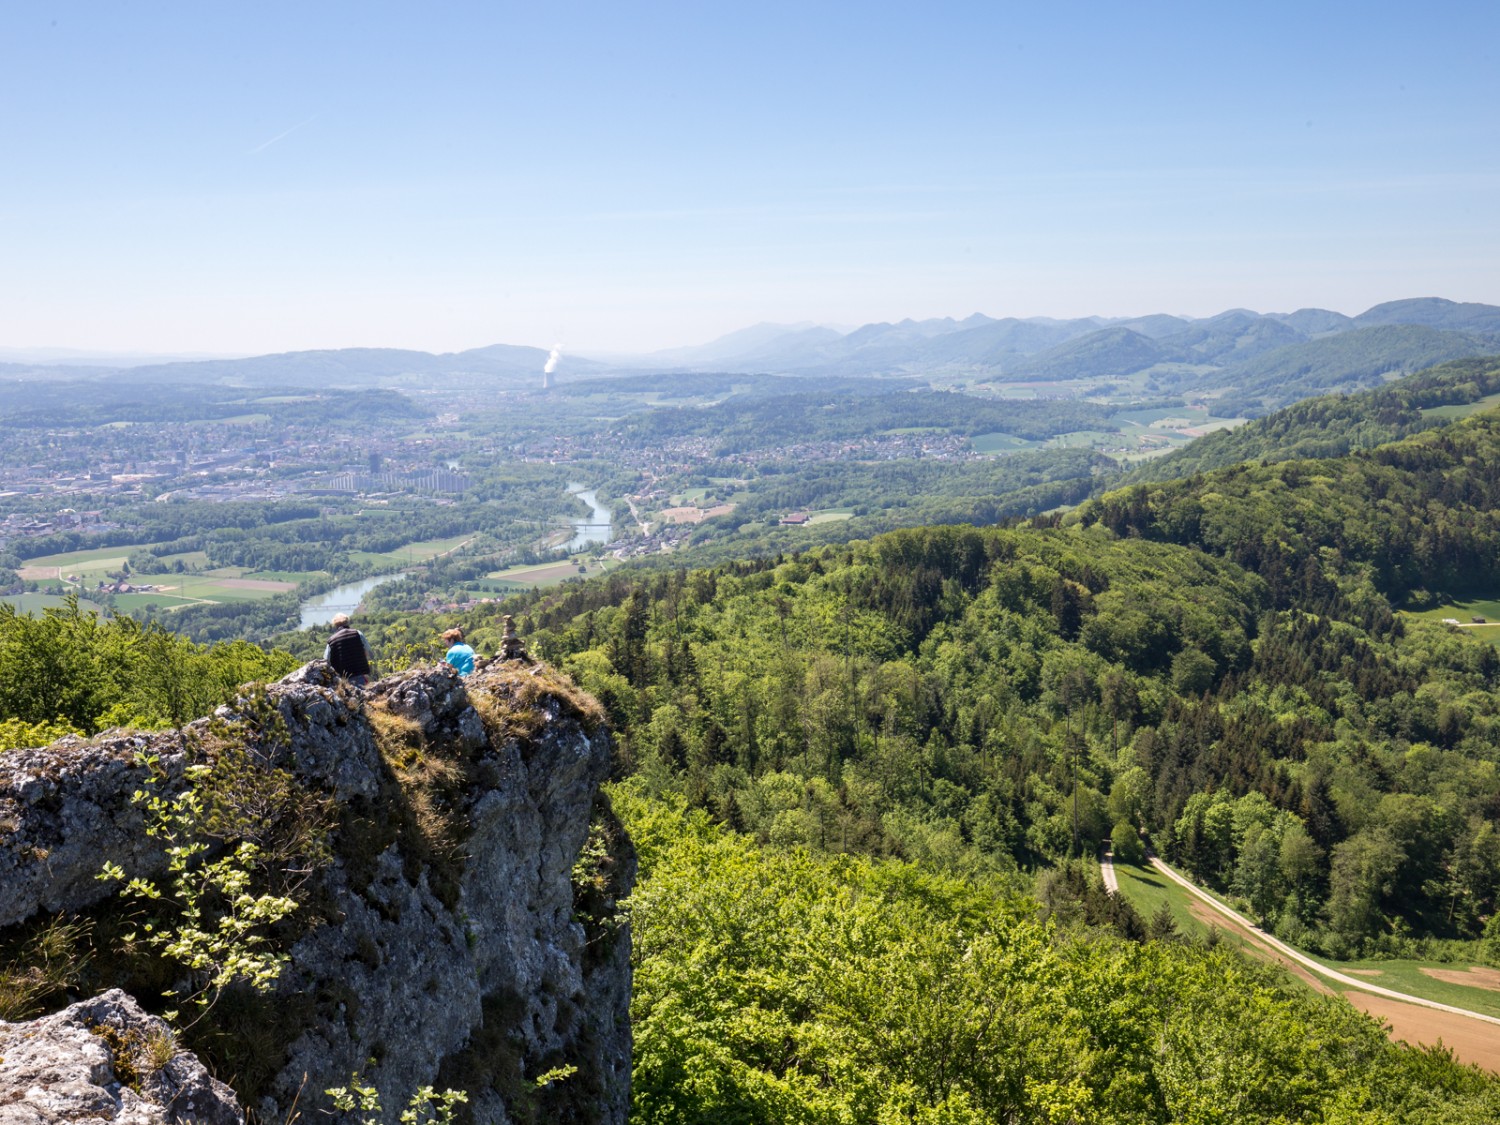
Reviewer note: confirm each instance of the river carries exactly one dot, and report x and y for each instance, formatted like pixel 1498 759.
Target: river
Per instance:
pixel 595 527
pixel 323 608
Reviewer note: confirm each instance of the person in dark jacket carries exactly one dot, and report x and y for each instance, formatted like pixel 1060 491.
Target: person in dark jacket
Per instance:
pixel 348 653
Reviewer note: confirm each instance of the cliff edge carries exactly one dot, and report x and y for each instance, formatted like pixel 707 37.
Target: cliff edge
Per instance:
pixel 457 924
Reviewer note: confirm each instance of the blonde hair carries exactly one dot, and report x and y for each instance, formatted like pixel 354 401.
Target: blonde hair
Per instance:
pixel 453 636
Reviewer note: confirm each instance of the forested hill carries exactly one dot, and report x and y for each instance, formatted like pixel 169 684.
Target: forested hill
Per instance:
pixel 757 423
pixel 1346 362
pixel 985 703
pixel 1333 425
pixel 1240 688
pixel 1418 515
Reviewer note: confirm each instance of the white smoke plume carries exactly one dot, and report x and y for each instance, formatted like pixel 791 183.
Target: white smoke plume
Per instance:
pixel 552 360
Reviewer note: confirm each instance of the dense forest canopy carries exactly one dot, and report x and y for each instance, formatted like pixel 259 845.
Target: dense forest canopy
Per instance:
pixel 1345 362
pixel 69 671
pixel 1418 514
pixel 1215 661
pixel 757 423
pixel 776 985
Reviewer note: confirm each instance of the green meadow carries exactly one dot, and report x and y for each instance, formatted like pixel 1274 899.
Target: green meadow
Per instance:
pixel 36 603
pixel 99 559
pixel 1462 409
pixel 423 550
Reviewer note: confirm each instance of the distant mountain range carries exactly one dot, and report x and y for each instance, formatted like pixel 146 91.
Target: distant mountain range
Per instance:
pixel 1252 362
pixel 508 364
pixel 1255 361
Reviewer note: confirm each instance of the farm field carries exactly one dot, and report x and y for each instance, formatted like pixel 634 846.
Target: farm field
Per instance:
pixel 1465 612
pixel 97 561
pixel 830 515
pixel 1143 433
pixel 127 603
pixel 542 574
pixel 424 550
pixel 1186 415
pixel 295 577
pixel 1473 1040
pixel 232 420
pixel 1153 433
pixel 1466 986
pixel 1081 439
pixel 211 588
pixel 229 583
pixel 36 603
pixel 694 514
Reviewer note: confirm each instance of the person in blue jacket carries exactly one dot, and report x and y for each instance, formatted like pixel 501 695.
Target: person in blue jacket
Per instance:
pixel 460 655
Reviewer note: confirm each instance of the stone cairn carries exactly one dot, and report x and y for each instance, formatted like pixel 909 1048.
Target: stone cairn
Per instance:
pixel 511 647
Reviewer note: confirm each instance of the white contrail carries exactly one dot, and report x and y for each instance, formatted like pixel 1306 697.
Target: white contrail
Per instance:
pixel 281 136
pixel 552 359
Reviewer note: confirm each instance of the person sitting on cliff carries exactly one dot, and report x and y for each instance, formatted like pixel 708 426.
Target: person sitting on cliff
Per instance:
pixel 460 655
pixel 348 653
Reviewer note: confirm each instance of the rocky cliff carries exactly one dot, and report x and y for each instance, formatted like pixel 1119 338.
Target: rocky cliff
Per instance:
pixel 106 1060
pixel 456 867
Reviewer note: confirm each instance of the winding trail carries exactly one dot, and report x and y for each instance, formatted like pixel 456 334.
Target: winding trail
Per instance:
pixel 1307 962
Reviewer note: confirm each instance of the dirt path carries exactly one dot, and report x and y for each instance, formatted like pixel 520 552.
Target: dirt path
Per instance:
pixel 635 515
pixel 1412 1018
pixel 455 547
pixel 1107 871
pixel 1256 948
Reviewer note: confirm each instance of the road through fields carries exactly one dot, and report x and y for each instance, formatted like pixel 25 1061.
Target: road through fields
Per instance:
pixel 1473 1036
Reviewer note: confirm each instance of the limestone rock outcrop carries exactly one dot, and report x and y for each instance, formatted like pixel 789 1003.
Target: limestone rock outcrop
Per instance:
pixel 447 942
pixel 106 1060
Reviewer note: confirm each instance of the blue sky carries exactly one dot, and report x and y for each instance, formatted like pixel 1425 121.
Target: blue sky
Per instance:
pixel 248 178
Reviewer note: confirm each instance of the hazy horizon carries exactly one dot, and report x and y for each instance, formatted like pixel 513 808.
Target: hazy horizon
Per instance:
pixel 63 356
pixel 239 182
